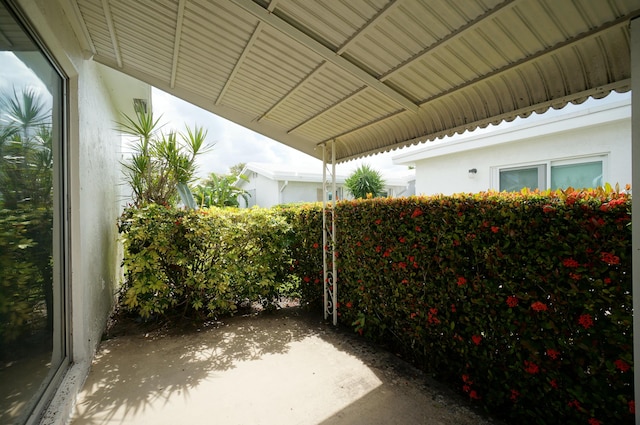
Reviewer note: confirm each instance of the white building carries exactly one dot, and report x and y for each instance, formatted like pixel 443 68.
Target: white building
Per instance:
pixel 273 184
pixel 579 146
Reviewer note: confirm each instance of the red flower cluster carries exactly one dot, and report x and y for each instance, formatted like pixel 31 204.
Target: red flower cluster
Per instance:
pixel 461 280
pixel 432 316
pixel 594 421
pixel 570 262
pixel 632 407
pixel 611 204
pixel 416 213
pixel 553 353
pixel 512 301
pixel 621 365
pixel 495 229
pixel 538 306
pixel 609 258
pixel 514 395
pixel 477 339
pixel 531 367
pixel 586 321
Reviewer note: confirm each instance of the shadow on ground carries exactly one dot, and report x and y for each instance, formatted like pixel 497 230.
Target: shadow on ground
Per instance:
pixel 287 367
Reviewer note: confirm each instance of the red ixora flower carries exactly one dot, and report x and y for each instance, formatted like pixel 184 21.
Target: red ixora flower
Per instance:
pixel 316 245
pixel 632 407
pixel 432 316
pixel 461 280
pixel 553 353
pixel 586 321
pixel 495 229
pixel 514 395
pixel 570 262
pixel 609 258
pixel 474 395
pixel 531 367
pixel 621 365
pixel 538 306
pixel 416 213
pixel 512 301
pixel 594 421
pixel 477 339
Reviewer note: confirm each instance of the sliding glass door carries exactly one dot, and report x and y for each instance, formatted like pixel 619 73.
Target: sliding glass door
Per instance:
pixel 33 343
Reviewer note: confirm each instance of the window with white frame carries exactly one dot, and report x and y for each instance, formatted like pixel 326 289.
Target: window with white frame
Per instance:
pixel 583 172
pixel 516 178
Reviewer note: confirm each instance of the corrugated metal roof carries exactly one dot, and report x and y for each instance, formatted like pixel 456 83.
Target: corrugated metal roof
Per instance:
pixel 373 75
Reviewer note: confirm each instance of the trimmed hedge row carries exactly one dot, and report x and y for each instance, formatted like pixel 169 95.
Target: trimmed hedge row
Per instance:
pixel 523 301
pixel 203 262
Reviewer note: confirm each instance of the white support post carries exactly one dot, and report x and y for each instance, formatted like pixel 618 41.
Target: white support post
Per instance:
pixel 330 271
pixel 334 262
pixel 635 201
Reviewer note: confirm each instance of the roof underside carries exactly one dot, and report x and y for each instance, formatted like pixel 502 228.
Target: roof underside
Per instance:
pixel 373 75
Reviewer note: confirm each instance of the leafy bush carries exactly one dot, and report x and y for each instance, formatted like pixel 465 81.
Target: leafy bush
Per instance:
pixel 523 300
pixel 203 262
pixel 306 249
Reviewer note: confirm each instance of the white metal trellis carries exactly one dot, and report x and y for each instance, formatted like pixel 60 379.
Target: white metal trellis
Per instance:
pixel 330 270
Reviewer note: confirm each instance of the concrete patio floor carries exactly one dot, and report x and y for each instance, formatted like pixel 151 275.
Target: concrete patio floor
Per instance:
pixel 286 367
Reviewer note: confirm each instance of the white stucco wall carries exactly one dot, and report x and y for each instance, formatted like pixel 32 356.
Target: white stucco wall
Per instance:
pixel 94 176
pixel 601 130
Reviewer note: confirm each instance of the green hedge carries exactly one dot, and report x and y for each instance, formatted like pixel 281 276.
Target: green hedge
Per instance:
pixel 523 301
pixel 203 262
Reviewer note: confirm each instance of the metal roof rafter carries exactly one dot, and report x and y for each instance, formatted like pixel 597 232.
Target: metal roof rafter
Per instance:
pixel 508 4
pixel 176 45
pixel 112 32
pixel 315 46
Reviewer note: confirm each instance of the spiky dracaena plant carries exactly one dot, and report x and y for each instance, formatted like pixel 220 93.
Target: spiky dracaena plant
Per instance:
pixel 160 162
